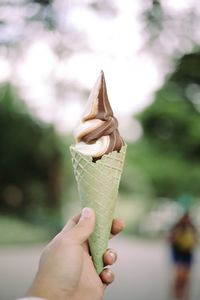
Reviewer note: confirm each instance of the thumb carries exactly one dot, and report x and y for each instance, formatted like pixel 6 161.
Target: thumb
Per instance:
pixel 83 229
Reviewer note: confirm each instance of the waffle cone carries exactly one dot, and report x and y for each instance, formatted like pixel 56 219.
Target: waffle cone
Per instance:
pixel 98 185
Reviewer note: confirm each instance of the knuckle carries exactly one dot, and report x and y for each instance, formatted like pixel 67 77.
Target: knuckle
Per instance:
pixel 64 239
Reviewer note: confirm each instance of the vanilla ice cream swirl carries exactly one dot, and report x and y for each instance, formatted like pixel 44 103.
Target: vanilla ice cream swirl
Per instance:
pixel 98 132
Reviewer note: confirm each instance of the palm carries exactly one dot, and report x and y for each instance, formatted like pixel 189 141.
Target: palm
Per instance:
pixel 89 279
pixel 66 270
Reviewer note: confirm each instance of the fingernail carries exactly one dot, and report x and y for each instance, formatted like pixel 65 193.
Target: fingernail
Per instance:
pixel 112 255
pixel 122 222
pixel 110 275
pixel 86 213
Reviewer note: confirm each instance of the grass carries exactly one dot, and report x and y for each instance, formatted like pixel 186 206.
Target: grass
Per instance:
pixel 16 231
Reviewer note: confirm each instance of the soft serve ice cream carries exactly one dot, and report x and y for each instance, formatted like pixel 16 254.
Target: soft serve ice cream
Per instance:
pixel 98 158
pixel 98 132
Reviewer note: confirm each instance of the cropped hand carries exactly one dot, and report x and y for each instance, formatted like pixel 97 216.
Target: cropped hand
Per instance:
pixel 66 270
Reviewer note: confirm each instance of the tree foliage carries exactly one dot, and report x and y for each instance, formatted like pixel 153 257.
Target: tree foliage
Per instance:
pixel 168 152
pixel 32 160
pixel 170 30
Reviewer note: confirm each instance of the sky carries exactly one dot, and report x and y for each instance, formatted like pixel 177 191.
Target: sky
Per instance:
pixel 115 44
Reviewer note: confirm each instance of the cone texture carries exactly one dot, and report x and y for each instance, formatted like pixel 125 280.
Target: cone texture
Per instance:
pixel 98 185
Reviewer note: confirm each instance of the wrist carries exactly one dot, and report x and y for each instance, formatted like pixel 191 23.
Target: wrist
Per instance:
pixel 88 295
pixel 45 291
pixel 31 298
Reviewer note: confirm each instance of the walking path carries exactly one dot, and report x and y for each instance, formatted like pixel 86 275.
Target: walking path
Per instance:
pixel 142 271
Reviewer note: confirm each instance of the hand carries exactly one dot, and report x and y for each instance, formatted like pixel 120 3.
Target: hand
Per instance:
pixel 66 270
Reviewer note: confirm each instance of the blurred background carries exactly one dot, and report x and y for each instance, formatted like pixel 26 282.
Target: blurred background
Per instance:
pixel 51 52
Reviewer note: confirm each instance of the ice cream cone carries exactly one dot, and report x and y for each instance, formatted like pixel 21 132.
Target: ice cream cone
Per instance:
pixel 98 184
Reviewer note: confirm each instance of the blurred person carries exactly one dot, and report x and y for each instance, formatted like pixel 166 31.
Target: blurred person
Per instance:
pixel 182 238
pixel 66 270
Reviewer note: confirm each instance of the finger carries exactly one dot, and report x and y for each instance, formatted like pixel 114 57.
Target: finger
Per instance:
pixel 110 257
pixel 71 223
pixel 85 226
pixel 107 276
pixel 117 226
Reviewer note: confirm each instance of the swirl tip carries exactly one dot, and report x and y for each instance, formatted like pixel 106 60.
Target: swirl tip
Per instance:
pixel 102 78
pixel 98 122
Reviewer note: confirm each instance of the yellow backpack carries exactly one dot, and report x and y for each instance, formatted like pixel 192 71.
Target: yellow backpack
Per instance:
pixel 186 239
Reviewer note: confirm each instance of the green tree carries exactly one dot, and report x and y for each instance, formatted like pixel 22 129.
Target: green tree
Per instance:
pixel 32 164
pixel 168 152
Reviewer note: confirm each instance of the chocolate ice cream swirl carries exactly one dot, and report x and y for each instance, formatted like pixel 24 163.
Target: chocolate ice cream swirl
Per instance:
pixel 98 133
